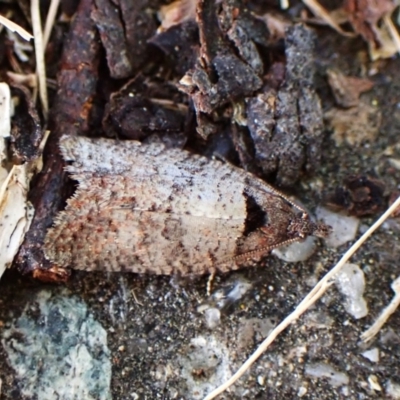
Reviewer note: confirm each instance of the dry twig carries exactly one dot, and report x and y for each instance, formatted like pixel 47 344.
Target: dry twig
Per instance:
pixel 371 332
pixel 12 26
pixel 320 12
pixel 51 16
pixel 39 53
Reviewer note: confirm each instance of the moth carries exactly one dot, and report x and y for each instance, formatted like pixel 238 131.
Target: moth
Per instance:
pixel 146 208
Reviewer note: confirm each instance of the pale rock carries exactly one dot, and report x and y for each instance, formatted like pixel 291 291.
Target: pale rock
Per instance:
pixel 344 227
pixel 351 283
pixel 371 354
pixel 295 252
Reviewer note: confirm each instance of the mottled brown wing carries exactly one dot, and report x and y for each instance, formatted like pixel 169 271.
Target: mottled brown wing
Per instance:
pixel 117 239
pixel 145 208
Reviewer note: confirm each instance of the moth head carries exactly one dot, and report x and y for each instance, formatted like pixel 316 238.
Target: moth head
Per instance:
pixel 302 226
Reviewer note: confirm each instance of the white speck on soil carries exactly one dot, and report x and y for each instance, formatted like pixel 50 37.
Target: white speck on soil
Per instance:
pixel 322 370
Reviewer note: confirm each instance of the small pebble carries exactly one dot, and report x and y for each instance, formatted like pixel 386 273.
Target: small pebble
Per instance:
pixel 344 228
pixel 371 354
pixel 351 283
pixel 295 252
pixel 213 317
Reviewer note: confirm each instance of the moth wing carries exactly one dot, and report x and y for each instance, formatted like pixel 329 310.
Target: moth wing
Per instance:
pixel 143 242
pixel 151 161
pixel 145 208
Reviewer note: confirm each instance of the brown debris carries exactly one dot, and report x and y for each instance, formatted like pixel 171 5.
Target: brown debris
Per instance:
pixel 53 274
pixel 140 108
pixel 231 68
pixel 347 89
pixel 124 30
pixel 286 124
pixel 364 16
pixel 372 19
pixel 354 125
pixel 359 196
pixel 26 130
pixel 225 85
pixel 71 112
pixel 108 22
pixel 180 45
pixel 220 76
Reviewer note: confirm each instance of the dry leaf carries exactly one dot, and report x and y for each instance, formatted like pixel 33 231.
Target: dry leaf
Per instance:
pixel 364 16
pixel 16 212
pixel 354 125
pixel 347 89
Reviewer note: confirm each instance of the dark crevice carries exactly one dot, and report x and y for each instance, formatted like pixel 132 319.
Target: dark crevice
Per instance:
pixel 256 216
